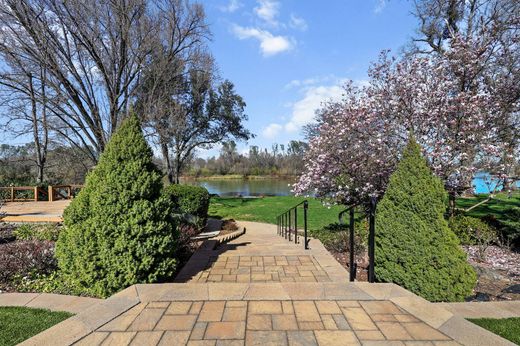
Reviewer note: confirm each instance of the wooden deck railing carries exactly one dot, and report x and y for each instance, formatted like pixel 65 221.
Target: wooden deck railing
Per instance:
pixel 36 193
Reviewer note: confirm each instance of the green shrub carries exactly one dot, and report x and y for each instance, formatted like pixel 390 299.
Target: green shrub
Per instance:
pixel 37 232
pixel 510 226
pixel 119 230
pixel 414 246
pixel 188 199
pixel 471 230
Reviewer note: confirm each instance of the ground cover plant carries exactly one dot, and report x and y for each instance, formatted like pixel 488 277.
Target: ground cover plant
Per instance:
pixel 20 323
pixel 508 328
pixel 119 230
pixel 414 246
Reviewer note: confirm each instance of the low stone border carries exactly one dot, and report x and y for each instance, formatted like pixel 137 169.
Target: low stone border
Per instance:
pixel 230 236
pixel 73 329
pixel 53 302
pixel 499 309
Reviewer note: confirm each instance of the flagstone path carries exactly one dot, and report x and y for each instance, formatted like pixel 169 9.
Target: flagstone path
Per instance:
pixel 260 289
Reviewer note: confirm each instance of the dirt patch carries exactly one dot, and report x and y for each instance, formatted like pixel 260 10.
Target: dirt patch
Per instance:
pixel 498 273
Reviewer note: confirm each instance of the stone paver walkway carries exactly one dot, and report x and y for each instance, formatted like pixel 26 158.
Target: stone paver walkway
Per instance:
pixel 320 322
pixel 263 269
pixel 259 289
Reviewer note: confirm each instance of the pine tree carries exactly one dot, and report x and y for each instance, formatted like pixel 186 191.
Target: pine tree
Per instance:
pixel 414 246
pixel 118 230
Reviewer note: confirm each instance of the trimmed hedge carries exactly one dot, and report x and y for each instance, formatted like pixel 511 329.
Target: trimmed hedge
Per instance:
pixel 119 230
pixel 414 246
pixel 189 199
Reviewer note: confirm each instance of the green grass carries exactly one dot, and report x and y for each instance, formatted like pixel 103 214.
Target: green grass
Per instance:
pixel 508 328
pixel 19 323
pixel 497 207
pixel 268 208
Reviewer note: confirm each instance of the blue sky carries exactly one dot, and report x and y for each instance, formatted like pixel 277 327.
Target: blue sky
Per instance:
pixel 285 57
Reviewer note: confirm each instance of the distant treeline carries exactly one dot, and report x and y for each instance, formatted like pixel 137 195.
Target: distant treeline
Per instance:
pixel 65 165
pixel 283 160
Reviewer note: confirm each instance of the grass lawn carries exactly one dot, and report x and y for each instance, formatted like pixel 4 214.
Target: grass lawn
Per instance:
pixel 508 328
pixel 268 208
pixel 497 206
pixel 19 323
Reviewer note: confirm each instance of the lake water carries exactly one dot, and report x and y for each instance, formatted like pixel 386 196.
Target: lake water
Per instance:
pixel 280 187
pixel 243 187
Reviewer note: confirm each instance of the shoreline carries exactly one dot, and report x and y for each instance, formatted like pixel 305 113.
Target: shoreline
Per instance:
pixel 239 177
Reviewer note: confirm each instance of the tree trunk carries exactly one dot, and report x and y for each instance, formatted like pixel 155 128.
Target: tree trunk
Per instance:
pixel 167 163
pixel 178 164
pixel 451 205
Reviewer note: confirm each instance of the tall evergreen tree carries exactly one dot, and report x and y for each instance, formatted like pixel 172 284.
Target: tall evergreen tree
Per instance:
pixel 414 246
pixel 118 230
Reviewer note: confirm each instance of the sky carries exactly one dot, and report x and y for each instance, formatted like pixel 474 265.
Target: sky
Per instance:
pixel 287 57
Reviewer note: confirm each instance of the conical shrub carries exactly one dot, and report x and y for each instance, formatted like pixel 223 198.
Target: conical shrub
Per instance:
pixel 118 230
pixel 414 246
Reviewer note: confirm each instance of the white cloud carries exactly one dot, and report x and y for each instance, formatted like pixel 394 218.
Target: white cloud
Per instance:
pixel 303 111
pixel 231 6
pixel 298 23
pixel 271 130
pixel 268 10
pixel 380 6
pixel 269 44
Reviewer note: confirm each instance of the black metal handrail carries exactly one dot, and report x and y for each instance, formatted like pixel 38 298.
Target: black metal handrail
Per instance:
pixel 371 238
pixel 285 220
pixel 352 264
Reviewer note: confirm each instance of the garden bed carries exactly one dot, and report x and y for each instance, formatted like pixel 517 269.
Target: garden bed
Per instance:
pixel 498 273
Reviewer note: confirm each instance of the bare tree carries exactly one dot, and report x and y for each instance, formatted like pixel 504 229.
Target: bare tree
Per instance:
pixel 93 53
pixel 25 98
pixel 191 111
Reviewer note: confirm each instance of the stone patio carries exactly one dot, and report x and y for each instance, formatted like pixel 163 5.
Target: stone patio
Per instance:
pixel 261 289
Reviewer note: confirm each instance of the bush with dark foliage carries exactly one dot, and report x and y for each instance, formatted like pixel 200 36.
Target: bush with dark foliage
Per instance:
pixel 22 258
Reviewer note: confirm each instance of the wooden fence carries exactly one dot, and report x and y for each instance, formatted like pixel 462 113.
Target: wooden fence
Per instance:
pixel 36 193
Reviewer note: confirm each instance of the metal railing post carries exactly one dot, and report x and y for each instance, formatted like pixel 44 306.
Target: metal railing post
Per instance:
pixel 295 225
pixel 371 238
pixel 285 222
pixel 352 266
pixel 290 224
pixel 305 206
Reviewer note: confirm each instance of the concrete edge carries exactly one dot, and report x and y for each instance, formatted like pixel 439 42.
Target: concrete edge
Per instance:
pixel 50 301
pixel 468 333
pixel 434 315
pixel 493 309
pixel 246 291
pixel 75 328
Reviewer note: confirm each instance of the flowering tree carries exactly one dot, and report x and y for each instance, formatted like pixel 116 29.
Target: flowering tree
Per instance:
pixel 443 100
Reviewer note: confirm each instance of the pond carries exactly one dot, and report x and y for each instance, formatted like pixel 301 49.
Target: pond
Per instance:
pixel 245 187
pixel 280 187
